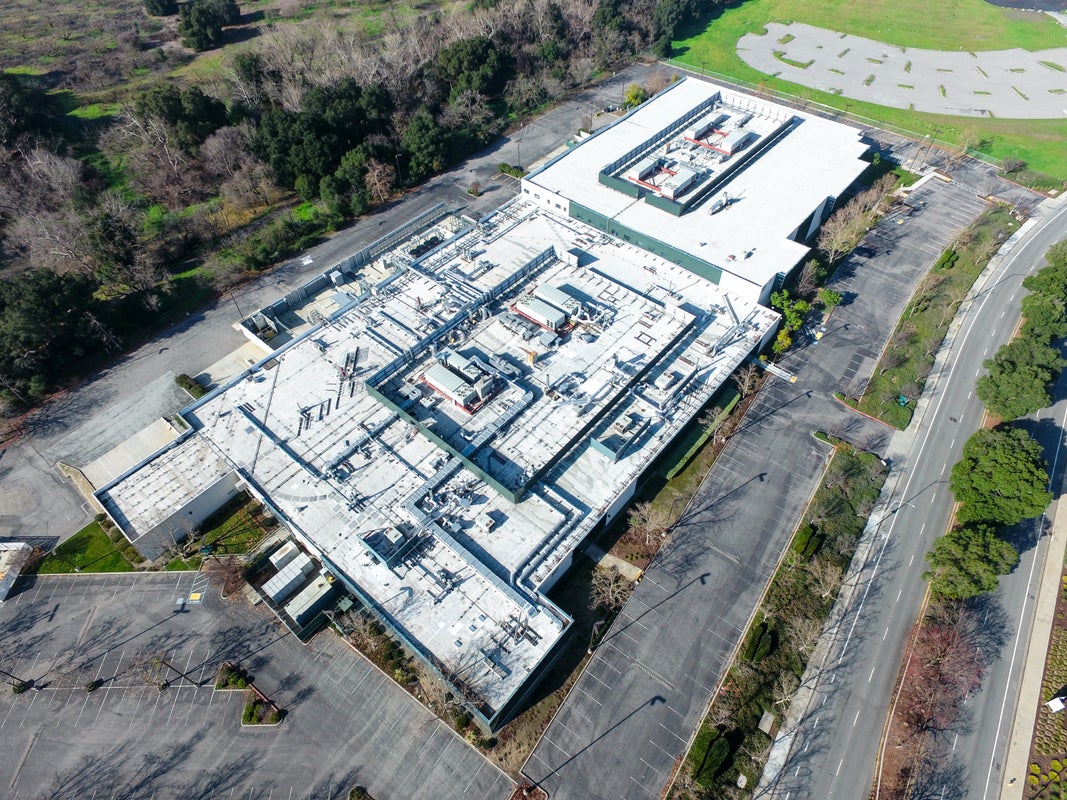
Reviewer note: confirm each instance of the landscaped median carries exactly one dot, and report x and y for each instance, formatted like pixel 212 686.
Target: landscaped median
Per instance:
pixel 258 709
pixel 899 379
pixel 734 740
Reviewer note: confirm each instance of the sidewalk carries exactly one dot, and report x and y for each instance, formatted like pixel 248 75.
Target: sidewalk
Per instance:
pixel 1017 759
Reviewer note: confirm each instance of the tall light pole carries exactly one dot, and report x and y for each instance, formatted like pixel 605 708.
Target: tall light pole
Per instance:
pixel 233 296
pixel 398 171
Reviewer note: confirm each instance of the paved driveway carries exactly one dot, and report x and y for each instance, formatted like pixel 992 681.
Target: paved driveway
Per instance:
pixel 997 83
pixel 346 723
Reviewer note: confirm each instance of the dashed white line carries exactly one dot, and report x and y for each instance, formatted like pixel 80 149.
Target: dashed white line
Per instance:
pixel 869 677
pixel 886 633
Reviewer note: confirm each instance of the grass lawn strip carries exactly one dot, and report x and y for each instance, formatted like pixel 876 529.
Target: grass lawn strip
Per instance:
pixel 89 550
pixel 774 653
pixel 909 355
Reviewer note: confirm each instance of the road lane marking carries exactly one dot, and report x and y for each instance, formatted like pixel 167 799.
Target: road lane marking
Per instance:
pixel 899 593
pixel 857 718
pixel 869 677
pixel 886 633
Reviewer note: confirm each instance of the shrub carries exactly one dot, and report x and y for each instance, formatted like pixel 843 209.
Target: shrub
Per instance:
pixel 718 754
pixel 765 647
pixel 191 386
pixel 461 720
pixel 241 683
pixel 275 717
pixel 19 687
pixel 754 638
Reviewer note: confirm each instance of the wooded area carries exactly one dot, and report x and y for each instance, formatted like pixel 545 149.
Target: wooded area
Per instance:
pixel 116 217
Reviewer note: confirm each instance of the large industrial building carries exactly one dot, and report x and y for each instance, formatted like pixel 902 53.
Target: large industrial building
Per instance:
pixel 443 419
pixel 727 185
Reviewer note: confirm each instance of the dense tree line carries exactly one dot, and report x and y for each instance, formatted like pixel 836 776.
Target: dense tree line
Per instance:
pixel 1021 375
pixel 113 211
pixel 1003 478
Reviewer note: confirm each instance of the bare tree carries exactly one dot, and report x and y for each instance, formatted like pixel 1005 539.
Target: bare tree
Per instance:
pixel 785 688
pixel 380 179
pixel 803 633
pixel 825 576
pixel 842 231
pixel 747 379
pixel 609 589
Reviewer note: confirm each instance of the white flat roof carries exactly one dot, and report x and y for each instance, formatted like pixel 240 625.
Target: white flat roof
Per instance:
pixel 770 198
pixel 348 472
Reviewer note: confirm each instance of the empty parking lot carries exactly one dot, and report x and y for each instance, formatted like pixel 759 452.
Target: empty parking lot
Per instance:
pixel 346 723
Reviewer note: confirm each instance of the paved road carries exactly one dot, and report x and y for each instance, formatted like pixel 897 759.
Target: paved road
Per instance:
pixel 137 389
pixel 834 749
pixel 621 730
pixel 346 722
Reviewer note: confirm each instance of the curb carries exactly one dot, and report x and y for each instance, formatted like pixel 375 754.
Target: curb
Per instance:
pixel 1017 756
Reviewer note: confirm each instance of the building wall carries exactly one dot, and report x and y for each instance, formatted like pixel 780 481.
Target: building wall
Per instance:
pixel 177 526
pixel 685 260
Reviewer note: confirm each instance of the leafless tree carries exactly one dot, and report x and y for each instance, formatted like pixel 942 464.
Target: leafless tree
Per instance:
pixel 803 633
pixel 842 231
pixel 825 576
pixel 747 379
pixel 785 688
pixel 657 82
pixel 380 180
pixel 609 589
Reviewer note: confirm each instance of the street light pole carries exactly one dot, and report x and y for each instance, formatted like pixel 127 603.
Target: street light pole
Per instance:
pixel 233 296
pixel 396 157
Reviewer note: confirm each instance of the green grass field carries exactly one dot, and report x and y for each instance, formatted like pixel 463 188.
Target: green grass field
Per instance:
pixel 89 550
pixel 970 25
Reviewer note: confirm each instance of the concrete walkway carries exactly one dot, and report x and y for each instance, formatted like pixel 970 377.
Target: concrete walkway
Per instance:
pixel 602 559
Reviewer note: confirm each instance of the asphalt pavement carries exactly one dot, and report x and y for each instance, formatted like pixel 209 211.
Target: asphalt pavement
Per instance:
pixel 631 714
pixel 345 722
pixel 834 746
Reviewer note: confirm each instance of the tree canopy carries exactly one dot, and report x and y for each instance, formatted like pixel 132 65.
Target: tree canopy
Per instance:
pixel 968 561
pixel 1001 479
pixel 200 22
pixel 1045 317
pixel 1020 377
pixel 188 113
pixel 476 64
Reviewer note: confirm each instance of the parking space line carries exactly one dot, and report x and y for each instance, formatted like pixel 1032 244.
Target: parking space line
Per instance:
pixel 583 691
pixel 360 681
pixel 177 693
pixel 29 708
pixel 57 694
